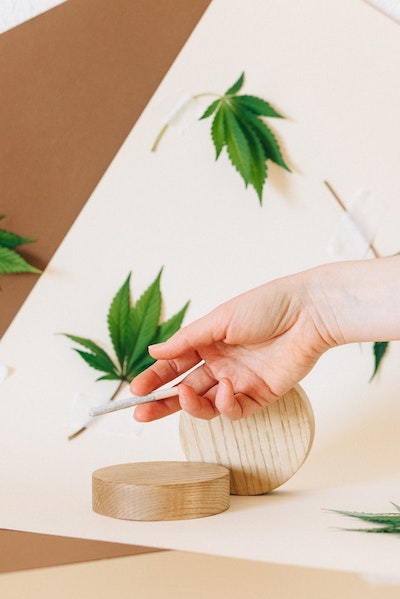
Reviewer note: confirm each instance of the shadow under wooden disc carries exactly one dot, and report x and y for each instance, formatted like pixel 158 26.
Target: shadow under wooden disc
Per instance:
pixel 261 451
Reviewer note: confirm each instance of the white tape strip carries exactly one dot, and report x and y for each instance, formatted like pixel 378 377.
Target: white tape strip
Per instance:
pixel 185 112
pixel 366 212
pixel 81 404
pixel 348 242
pixel 3 372
pixel 118 423
pixel 357 227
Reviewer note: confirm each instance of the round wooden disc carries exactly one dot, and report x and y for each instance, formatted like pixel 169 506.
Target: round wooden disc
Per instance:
pixel 160 490
pixel 261 451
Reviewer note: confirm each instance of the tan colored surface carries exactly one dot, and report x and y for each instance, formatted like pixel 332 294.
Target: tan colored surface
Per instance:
pixel 178 575
pixel 161 490
pixel 74 81
pixel 24 550
pixel 261 451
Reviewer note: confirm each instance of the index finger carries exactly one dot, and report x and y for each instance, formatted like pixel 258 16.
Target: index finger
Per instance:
pixel 162 372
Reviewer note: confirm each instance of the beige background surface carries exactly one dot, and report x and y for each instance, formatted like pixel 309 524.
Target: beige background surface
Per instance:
pixel 178 575
pixel 169 210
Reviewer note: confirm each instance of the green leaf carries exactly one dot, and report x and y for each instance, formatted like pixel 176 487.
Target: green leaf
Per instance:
pixel 11 240
pixel 258 166
pixel 144 319
pixel 97 361
pixel 141 364
pixel 237 145
pixel 133 335
pixel 164 331
pixel 380 348
pixel 250 143
pixel 267 138
pixel 237 118
pixel 89 344
pixel 389 522
pixel 385 518
pixel 255 105
pixel 96 351
pixel 218 132
pixel 171 326
pixel 210 110
pixel 236 86
pixel 118 319
pixel 11 262
pixel 382 529
pixel 110 377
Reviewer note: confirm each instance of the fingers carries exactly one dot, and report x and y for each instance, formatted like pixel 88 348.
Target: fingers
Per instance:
pixel 188 400
pixel 180 353
pixel 201 333
pixel 225 401
pixel 200 404
pixel 156 410
pixel 162 372
pixel 234 405
pixel 219 399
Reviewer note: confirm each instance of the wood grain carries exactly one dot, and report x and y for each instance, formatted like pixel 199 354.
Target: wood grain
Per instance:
pixel 160 490
pixel 262 451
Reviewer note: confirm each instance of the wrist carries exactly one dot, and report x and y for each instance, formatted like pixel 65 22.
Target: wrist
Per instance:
pixel 357 301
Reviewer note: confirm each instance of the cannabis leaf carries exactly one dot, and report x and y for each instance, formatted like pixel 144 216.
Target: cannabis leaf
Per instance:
pixel 10 259
pixel 250 143
pixel 387 522
pixel 238 125
pixel 379 348
pixel 132 328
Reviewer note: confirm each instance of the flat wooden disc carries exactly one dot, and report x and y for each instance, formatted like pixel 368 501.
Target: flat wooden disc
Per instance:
pixel 261 451
pixel 160 490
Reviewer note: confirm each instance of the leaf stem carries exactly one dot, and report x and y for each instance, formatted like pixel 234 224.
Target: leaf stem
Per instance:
pixel 121 385
pixel 197 96
pixel 76 434
pixel 159 137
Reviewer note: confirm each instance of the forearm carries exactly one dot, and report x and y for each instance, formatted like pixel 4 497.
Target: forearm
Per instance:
pixel 358 300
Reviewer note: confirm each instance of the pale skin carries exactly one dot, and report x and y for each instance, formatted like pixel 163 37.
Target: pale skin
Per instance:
pixel 252 349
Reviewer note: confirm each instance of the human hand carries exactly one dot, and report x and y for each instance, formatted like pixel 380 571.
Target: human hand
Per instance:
pixel 248 351
pixel 252 349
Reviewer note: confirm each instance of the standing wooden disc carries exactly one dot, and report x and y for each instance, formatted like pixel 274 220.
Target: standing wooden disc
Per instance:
pixel 261 451
pixel 160 490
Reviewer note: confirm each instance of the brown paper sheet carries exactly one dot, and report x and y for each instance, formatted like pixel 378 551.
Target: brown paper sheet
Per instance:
pixel 73 82
pixel 24 550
